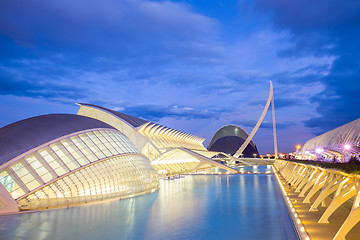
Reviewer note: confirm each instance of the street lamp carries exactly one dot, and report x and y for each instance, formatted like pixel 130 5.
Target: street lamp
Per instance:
pixel 347 147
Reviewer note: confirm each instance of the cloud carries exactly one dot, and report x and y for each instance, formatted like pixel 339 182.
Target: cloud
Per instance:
pixel 264 124
pixel 155 112
pixel 307 15
pixel 279 102
pixel 175 62
pixel 28 83
pixel 323 29
pixel 112 28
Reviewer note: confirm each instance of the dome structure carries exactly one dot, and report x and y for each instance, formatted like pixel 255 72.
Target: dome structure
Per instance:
pixel 229 139
pixel 65 159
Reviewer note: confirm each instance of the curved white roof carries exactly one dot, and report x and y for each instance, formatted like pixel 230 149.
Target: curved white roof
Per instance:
pixel 347 134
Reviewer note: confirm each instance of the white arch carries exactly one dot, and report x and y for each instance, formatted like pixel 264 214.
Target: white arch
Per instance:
pixel 270 99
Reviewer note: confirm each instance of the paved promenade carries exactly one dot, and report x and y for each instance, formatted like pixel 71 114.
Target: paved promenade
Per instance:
pixel 320 231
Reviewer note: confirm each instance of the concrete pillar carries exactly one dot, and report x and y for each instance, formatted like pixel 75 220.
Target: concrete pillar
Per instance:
pixel 339 198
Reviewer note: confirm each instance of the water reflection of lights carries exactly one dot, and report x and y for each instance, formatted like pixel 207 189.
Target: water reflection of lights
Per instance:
pixel 294 216
pixel 180 204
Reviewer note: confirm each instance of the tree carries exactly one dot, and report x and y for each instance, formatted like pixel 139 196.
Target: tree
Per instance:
pixel 353 160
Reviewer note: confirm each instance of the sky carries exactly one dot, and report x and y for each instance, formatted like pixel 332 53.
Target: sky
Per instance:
pixel 193 65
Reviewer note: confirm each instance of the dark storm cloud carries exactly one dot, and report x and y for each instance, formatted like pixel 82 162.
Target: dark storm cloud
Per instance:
pixel 156 112
pixel 324 28
pixel 247 123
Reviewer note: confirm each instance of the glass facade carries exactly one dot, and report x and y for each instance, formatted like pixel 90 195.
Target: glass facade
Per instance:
pixel 92 165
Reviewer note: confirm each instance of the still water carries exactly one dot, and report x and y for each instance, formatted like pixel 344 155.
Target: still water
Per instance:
pixel 194 207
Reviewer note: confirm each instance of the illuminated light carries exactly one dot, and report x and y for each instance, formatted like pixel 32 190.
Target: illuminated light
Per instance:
pixel 293 209
pixel 319 150
pixel 307 238
pixel 347 147
pixel 296 215
pixel 302 229
pixel 298 146
pixel 298 221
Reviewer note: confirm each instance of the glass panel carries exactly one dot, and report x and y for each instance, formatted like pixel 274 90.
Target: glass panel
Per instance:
pixel 65 156
pixel 75 152
pixel 6 180
pixel 84 149
pixel 26 177
pixel 94 148
pixel 16 191
pixel 54 162
pixel 39 168
pixel 118 176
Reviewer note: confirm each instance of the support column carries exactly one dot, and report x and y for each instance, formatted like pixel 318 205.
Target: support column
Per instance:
pixel 329 187
pixel 352 219
pixel 339 198
pixel 309 183
pixel 7 202
pixel 305 179
pixel 274 127
pixel 319 183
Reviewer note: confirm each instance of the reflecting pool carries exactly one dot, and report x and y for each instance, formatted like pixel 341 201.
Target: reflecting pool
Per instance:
pixel 193 207
pixel 243 169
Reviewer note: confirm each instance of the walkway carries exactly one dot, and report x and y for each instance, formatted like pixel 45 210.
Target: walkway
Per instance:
pixel 318 231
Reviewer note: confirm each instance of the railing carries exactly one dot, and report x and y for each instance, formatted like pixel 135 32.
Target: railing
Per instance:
pixel 307 180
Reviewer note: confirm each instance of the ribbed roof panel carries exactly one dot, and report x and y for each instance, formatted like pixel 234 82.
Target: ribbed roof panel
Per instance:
pixel 22 136
pixel 133 121
pixel 346 134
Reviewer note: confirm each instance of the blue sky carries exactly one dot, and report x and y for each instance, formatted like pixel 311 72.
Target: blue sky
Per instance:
pixel 191 65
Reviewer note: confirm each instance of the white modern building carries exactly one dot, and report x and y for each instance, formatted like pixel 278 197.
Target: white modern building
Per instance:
pixel 64 159
pixel 169 150
pixel 60 160
pixel 342 141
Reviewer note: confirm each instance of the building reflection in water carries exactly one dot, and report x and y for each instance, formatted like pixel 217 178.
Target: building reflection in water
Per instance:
pixel 194 207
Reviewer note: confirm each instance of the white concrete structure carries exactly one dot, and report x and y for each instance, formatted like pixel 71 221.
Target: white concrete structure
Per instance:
pixel 310 180
pixel 64 159
pixel 169 150
pixel 341 143
pixel 246 143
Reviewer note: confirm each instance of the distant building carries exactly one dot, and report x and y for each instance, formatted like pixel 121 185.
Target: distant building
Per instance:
pixel 342 140
pixel 229 139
